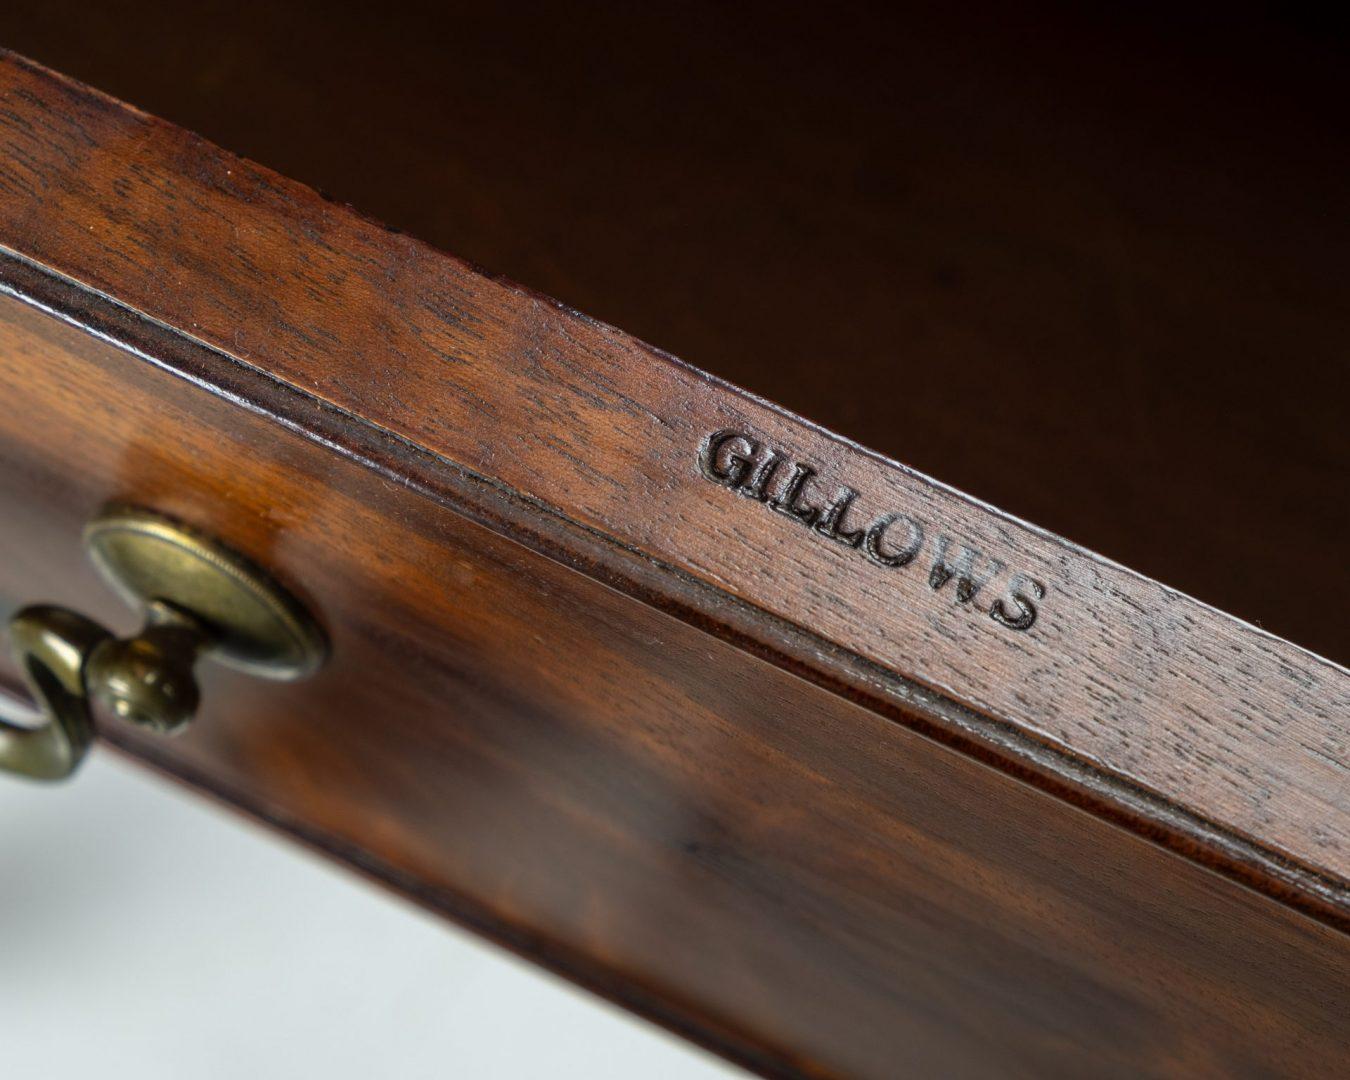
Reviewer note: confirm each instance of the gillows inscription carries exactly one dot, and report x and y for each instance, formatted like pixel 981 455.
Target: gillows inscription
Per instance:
pixel 891 540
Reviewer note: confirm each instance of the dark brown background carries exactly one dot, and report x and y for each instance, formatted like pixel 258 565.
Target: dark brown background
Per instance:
pixel 1090 269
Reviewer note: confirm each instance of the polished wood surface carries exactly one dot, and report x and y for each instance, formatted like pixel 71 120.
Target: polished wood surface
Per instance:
pixel 810 801
pixel 1086 264
pixel 794 880
pixel 1228 742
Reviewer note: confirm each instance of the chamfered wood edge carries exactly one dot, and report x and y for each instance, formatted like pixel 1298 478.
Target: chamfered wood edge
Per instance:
pixel 543 528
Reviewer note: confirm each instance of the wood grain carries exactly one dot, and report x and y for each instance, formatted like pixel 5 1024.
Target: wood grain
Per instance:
pixel 821 811
pixel 792 879
pixel 1085 263
pixel 1155 708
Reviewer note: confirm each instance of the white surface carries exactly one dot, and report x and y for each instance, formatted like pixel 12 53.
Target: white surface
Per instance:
pixel 145 933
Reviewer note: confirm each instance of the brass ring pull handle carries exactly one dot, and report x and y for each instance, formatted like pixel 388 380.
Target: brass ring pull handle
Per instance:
pixel 200 599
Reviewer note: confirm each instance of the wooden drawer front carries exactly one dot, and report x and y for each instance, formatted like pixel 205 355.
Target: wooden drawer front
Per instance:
pixel 606 686
pixel 705 837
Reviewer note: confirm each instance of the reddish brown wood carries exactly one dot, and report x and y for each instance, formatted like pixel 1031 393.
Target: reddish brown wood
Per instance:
pixel 805 886
pixel 1084 263
pixel 619 764
pixel 1120 686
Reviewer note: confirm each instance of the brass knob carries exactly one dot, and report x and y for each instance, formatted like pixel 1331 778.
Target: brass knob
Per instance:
pixel 199 599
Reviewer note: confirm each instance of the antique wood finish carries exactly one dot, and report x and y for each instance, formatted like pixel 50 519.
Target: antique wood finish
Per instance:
pixel 797 882
pixel 1084 263
pixel 822 813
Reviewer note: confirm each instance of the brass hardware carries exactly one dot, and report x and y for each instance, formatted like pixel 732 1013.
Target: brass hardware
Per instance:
pixel 200 599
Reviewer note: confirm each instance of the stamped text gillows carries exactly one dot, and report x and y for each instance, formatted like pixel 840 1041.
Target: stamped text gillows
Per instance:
pixel 887 539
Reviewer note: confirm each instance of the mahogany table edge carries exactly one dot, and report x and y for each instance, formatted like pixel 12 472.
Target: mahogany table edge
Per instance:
pixel 998 744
